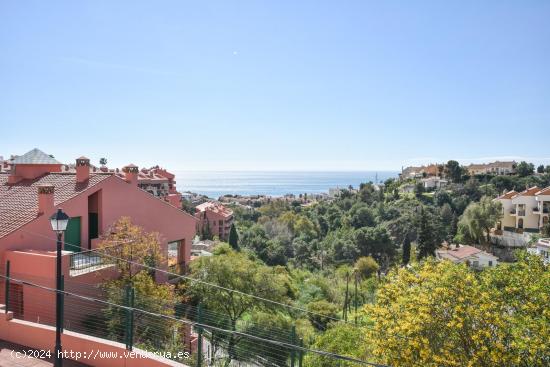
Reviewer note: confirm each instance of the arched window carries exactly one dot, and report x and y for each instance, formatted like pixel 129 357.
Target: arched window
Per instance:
pixel 520 223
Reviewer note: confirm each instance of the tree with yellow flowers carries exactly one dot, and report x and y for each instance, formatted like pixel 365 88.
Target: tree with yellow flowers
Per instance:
pixel 444 314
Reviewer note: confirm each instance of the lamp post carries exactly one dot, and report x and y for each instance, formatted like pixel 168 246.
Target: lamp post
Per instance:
pixel 59 221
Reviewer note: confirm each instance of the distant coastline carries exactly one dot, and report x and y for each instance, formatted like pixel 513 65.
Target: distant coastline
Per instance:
pixel 273 183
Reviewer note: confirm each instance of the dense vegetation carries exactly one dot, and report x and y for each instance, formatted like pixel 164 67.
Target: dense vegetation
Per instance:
pixel 365 257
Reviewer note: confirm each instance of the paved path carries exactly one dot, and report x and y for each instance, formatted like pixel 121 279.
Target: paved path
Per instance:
pixel 8 359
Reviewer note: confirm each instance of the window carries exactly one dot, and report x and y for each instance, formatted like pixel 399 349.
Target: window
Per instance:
pixel 476 263
pixel 490 263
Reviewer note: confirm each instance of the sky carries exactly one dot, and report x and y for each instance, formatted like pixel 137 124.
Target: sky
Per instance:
pixel 276 85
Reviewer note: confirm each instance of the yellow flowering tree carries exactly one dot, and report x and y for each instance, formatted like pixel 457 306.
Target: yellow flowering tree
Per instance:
pixel 443 314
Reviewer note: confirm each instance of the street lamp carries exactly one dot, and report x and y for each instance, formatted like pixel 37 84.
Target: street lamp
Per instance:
pixel 59 221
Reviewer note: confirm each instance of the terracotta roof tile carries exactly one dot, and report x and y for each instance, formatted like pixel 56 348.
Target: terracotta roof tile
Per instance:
pixel 529 192
pixel 545 191
pixel 19 202
pixel 215 207
pixel 508 195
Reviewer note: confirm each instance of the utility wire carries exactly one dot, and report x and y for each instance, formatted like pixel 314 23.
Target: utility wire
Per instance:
pixel 174 275
pixel 197 324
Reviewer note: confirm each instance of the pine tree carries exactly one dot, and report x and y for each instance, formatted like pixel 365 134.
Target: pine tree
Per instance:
pixel 234 238
pixel 406 250
pixel 426 237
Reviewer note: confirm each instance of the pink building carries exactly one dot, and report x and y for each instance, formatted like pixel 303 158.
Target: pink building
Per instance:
pixel 36 186
pixel 160 183
pixel 216 217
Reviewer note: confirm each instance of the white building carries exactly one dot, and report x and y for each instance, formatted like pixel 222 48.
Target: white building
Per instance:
pixel 526 211
pixel 473 257
pixel 434 182
pixel 494 168
pixel 542 248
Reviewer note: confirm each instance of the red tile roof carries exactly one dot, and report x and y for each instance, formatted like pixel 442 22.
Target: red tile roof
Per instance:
pixel 460 253
pixel 19 202
pixel 214 207
pixel 508 195
pixel 529 192
pixel 545 191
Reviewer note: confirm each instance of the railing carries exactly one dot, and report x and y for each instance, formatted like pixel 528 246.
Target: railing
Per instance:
pixel 84 262
pixel 521 213
pixel 536 209
pixel 513 211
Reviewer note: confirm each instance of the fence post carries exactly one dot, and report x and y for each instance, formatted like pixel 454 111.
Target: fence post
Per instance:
pixel 7 287
pixel 293 342
pixel 356 300
pixel 129 317
pixel 301 356
pixel 199 332
pixel 62 288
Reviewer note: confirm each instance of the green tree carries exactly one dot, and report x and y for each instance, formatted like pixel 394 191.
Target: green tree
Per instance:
pixel 540 169
pixel 366 266
pixel 150 332
pixel 525 169
pixel 235 271
pixel 419 189
pixel 321 313
pixel 375 242
pixel 453 171
pixel 478 219
pixel 342 339
pixel 103 161
pixel 361 216
pixel 234 238
pixel 427 239
pixel 406 250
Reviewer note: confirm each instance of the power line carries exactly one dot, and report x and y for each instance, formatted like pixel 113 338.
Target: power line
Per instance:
pixel 198 324
pixel 174 275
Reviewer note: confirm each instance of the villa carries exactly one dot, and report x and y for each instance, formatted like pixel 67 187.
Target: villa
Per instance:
pixel 494 168
pixel 525 211
pixel 473 257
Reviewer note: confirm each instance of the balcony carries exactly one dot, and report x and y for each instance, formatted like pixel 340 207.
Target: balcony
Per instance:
pixel 519 213
pixel 536 210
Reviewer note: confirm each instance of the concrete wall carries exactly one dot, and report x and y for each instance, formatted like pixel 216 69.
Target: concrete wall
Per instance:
pixel 42 337
pixel 530 220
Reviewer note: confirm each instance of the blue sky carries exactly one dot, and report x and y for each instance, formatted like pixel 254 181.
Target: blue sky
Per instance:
pixel 271 85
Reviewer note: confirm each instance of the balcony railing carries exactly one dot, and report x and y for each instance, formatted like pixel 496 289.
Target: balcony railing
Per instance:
pixel 536 210
pixel 521 213
pixel 87 261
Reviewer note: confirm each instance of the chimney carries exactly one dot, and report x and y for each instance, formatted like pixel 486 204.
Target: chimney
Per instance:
pixel 131 174
pixel 82 169
pixel 45 199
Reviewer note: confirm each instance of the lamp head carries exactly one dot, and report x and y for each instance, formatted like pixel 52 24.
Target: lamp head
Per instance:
pixel 59 221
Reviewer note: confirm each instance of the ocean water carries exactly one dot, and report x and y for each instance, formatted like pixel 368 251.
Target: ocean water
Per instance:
pixel 218 183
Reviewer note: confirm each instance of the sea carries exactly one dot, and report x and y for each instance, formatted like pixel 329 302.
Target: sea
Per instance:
pixel 273 183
